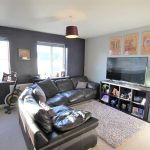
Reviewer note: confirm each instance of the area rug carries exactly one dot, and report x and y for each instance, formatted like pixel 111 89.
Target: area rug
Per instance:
pixel 114 126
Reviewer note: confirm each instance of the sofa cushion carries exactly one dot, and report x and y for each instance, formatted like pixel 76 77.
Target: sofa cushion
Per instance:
pixel 75 80
pixel 89 93
pixel 81 85
pixel 74 95
pixel 69 119
pixel 27 91
pixel 60 108
pixel 48 87
pixel 31 106
pixel 39 94
pixel 43 119
pixel 58 99
pixel 64 85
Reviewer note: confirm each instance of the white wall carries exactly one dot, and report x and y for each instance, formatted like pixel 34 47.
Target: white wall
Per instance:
pixel 97 51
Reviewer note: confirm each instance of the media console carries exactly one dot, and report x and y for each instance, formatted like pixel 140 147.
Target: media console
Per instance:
pixel 130 98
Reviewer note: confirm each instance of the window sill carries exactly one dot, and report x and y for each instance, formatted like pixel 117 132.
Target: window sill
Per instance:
pixel 54 78
pixel 7 81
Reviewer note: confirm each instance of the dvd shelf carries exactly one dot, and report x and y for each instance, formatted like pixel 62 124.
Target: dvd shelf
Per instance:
pixel 130 98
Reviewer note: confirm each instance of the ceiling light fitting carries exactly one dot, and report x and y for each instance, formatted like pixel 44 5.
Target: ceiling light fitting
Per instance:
pixel 72 32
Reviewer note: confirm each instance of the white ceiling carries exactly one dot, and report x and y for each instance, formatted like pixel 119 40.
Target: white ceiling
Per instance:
pixel 93 17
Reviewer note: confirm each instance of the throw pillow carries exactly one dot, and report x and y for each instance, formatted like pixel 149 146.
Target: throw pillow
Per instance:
pixel 48 87
pixel 44 121
pixel 75 80
pixel 81 85
pixel 39 95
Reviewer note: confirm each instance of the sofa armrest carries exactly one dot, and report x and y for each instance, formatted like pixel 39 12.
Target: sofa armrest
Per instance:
pixel 94 86
pixel 34 137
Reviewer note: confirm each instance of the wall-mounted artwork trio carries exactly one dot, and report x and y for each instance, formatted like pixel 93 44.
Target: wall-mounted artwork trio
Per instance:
pixel 130 44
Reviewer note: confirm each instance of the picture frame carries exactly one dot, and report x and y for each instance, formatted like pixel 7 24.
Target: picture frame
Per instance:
pixel 115 45
pixel 145 43
pixel 130 43
pixel 24 54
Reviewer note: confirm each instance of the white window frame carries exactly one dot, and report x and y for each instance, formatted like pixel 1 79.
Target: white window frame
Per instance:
pixel 65 54
pixel 5 40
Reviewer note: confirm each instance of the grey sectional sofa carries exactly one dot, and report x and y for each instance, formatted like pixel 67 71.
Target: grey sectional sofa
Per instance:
pixel 59 93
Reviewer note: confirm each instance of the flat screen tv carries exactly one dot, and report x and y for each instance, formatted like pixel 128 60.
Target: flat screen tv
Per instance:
pixel 130 69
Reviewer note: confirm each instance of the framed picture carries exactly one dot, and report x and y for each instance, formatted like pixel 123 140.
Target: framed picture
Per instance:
pixel 24 54
pixel 131 43
pixel 145 43
pixel 115 46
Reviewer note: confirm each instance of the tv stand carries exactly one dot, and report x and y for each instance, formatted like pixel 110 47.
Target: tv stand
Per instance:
pixel 130 98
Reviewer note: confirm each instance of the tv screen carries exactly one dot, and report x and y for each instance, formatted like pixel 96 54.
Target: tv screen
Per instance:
pixel 130 69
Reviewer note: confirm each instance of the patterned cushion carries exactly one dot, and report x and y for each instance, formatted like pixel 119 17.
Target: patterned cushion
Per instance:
pixel 39 95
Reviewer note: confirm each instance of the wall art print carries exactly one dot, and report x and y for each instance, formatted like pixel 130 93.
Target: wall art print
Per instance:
pixel 131 43
pixel 24 54
pixel 145 43
pixel 115 46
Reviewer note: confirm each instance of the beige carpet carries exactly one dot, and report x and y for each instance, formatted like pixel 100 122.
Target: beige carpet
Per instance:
pixel 10 133
pixel 114 126
pixel 139 141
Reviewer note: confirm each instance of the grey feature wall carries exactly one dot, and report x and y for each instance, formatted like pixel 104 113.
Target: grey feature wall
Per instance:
pixel 97 51
pixel 28 39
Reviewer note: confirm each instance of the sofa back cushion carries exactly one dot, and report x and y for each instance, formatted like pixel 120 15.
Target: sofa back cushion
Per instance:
pixel 64 85
pixel 27 91
pixel 49 87
pixel 75 80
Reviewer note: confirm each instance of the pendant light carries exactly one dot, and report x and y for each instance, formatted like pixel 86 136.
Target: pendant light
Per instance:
pixel 71 31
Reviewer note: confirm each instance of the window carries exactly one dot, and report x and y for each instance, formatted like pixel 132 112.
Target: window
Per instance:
pixel 4 58
pixel 51 59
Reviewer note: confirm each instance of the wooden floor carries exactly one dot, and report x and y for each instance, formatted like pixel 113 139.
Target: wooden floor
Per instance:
pixel 139 141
